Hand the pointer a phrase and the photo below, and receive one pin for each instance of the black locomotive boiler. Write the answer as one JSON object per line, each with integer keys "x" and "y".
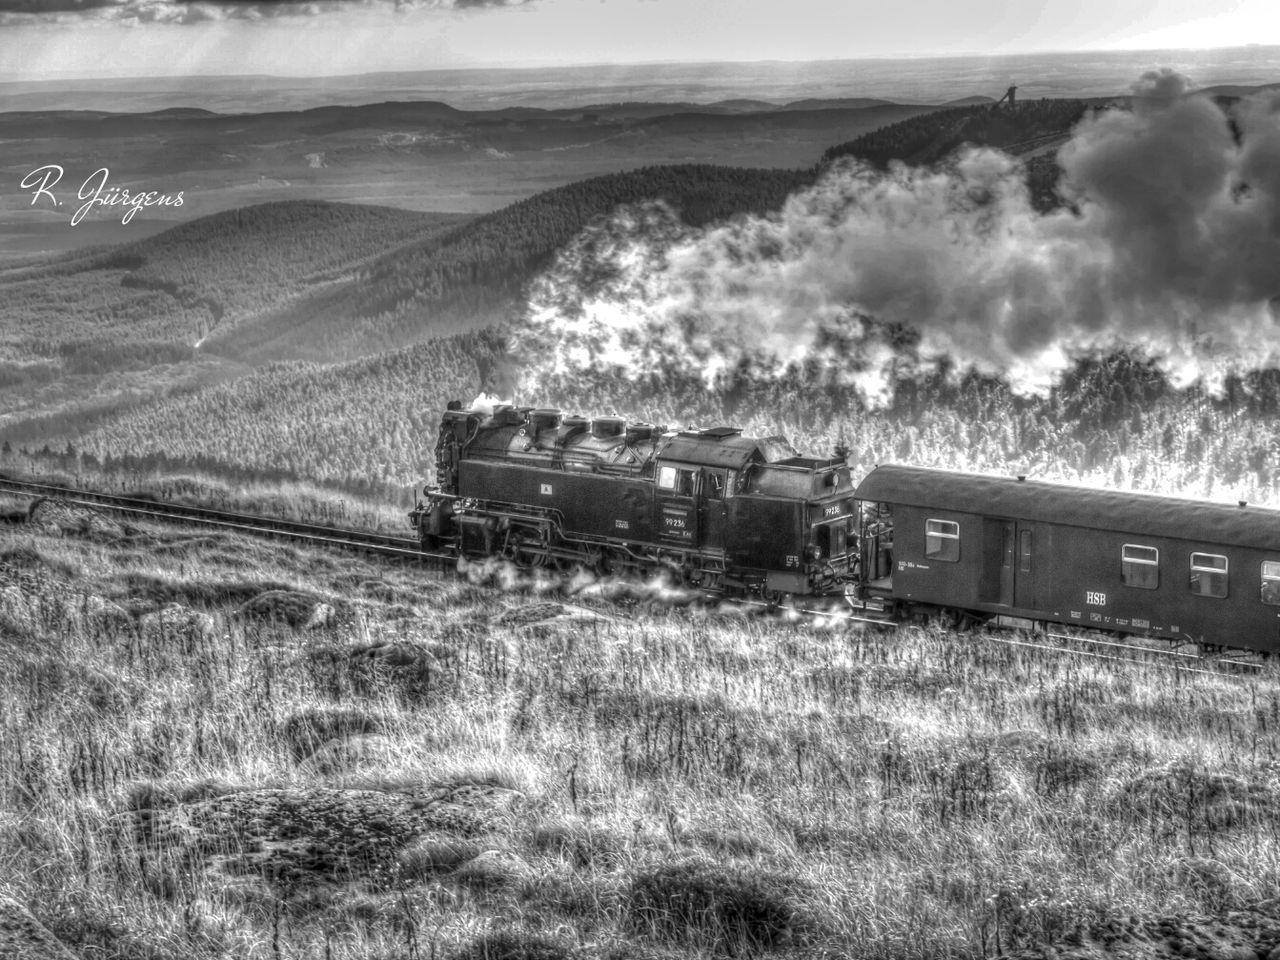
{"x": 712, "y": 508}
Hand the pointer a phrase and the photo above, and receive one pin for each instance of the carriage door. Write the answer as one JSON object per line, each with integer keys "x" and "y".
{"x": 677, "y": 506}
{"x": 999, "y": 557}
{"x": 1031, "y": 543}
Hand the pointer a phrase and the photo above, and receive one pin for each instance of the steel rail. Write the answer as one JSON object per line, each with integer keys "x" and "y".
{"x": 1068, "y": 651}
{"x": 1155, "y": 651}
{"x": 404, "y": 547}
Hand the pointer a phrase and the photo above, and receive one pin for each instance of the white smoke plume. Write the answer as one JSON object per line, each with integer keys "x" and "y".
{"x": 1171, "y": 245}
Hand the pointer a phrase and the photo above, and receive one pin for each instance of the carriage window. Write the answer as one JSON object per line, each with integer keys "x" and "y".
{"x": 942, "y": 540}
{"x": 1024, "y": 553}
{"x": 1140, "y": 566}
{"x": 1271, "y": 582}
{"x": 1208, "y": 575}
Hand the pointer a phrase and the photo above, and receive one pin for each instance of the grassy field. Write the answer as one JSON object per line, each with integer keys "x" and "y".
{"x": 212, "y": 747}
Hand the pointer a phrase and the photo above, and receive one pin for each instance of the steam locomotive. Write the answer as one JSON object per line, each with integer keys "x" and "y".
{"x": 714, "y": 509}
{"x": 728, "y": 514}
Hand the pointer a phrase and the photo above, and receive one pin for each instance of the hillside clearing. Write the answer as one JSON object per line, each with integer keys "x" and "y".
{"x": 441, "y": 768}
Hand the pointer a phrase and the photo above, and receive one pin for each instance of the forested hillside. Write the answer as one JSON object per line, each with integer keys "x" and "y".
{"x": 324, "y": 281}
{"x": 475, "y": 275}
{"x": 214, "y": 273}
{"x": 367, "y": 424}
{"x": 1024, "y": 128}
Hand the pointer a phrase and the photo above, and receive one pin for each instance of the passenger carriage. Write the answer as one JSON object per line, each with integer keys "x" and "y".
{"x": 988, "y": 546}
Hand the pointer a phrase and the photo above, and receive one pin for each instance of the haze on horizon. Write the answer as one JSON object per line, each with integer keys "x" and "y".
{"x": 49, "y": 39}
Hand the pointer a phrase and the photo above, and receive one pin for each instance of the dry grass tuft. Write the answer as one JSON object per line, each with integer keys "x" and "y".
{"x": 292, "y": 607}
{"x": 309, "y": 729}
{"x": 508, "y": 945}
{"x": 717, "y": 908}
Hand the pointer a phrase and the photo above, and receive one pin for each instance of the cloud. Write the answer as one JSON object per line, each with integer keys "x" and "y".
{"x": 1172, "y": 245}
{"x": 196, "y": 11}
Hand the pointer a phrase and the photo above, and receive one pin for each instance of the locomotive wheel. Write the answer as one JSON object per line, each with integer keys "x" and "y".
{"x": 524, "y": 553}
{"x": 777, "y": 600}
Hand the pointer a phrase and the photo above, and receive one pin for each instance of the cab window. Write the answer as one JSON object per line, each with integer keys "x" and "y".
{"x": 683, "y": 482}
{"x": 942, "y": 540}
{"x": 715, "y": 486}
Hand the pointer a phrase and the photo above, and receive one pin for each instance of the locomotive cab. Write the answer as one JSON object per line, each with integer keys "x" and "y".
{"x": 795, "y": 521}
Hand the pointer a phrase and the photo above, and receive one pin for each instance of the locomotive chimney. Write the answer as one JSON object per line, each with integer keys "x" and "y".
{"x": 602, "y": 428}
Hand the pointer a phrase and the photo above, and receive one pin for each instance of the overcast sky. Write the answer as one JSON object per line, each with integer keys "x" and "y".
{"x": 48, "y": 38}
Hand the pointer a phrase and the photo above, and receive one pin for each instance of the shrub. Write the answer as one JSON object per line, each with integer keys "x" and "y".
{"x": 508, "y": 945}
{"x": 308, "y": 730}
{"x": 703, "y": 903}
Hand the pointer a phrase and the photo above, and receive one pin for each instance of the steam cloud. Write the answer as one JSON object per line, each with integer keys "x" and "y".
{"x": 1173, "y": 246}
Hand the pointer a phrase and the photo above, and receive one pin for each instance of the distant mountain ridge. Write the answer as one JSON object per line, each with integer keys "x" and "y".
{"x": 414, "y": 111}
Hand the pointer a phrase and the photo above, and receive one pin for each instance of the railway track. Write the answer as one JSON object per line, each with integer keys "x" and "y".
{"x": 404, "y": 548}
{"x": 1137, "y": 653}
{"x": 1072, "y": 645}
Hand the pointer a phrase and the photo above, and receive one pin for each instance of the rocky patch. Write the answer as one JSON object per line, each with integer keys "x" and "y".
{"x": 292, "y": 607}
{"x": 61, "y": 518}
{"x": 293, "y": 838}
{"x": 177, "y": 623}
{"x": 1252, "y": 933}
